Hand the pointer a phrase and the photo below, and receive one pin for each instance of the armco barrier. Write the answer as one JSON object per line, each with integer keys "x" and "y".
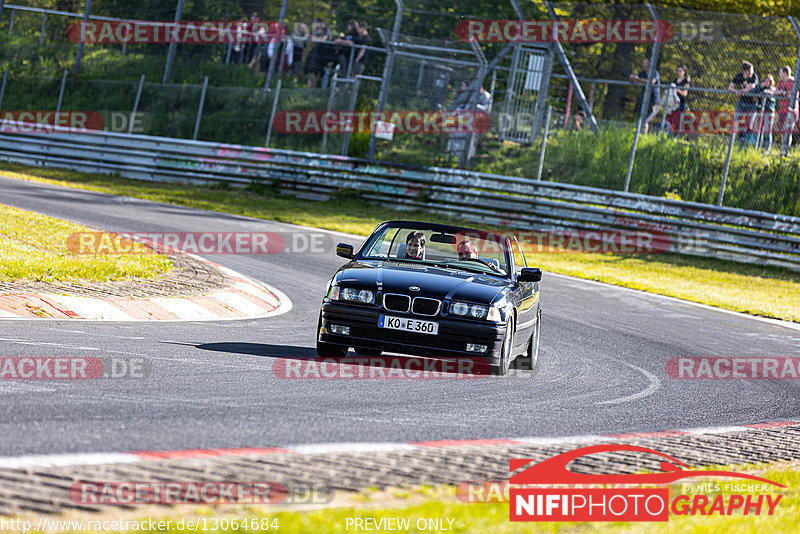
{"x": 522, "y": 203}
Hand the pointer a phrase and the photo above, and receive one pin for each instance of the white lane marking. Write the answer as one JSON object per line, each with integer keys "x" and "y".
{"x": 58, "y": 460}
{"x": 186, "y": 310}
{"x": 655, "y": 383}
{"x": 9, "y": 386}
{"x": 95, "y": 334}
{"x": 90, "y": 307}
{"x": 327, "y": 448}
{"x": 124, "y": 352}
{"x": 778, "y": 322}
{"x": 561, "y": 440}
{"x": 716, "y": 429}
{"x": 45, "y": 344}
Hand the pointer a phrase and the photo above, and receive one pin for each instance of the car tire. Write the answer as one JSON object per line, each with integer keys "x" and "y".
{"x": 328, "y": 350}
{"x": 528, "y": 362}
{"x": 368, "y": 352}
{"x": 505, "y": 352}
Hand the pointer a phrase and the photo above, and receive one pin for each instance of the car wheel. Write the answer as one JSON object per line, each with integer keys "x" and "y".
{"x": 505, "y": 352}
{"x": 328, "y": 350}
{"x": 368, "y": 352}
{"x": 528, "y": 362}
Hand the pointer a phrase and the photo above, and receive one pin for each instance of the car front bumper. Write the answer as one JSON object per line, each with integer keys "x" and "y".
{"x": 450, "y": 342}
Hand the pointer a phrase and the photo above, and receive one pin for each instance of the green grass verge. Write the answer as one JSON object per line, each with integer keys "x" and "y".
{"x": 34, "y": 247}
{"x": 759, "y": 290}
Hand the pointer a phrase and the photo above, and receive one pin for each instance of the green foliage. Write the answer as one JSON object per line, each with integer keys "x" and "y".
{"x": 359, "y": 144}
{"x": 686, "y": 168}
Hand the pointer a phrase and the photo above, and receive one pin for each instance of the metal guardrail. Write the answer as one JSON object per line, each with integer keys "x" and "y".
{"x": 520, "y": 203}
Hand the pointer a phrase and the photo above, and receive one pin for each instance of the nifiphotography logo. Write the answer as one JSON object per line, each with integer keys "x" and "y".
{"x": 569, "y": 496}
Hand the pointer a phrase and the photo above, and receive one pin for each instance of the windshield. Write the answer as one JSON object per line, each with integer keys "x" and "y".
{"x": 467, "y": 250}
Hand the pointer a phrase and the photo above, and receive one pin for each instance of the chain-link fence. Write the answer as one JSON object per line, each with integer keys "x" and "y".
{"x": 675, "y": 141}
{"x": 684, "y": 155}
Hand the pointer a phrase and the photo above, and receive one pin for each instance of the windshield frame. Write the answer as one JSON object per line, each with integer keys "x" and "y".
{"x": 370, "y": 242}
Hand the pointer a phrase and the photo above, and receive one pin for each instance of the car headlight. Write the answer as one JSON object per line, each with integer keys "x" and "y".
{"x": 473, "y": 311}
{"x": 364, "y": 296}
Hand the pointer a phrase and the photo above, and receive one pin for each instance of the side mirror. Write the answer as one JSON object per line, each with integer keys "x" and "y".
{"x": 529, "y": 274}
{"x": 344, "y": 250}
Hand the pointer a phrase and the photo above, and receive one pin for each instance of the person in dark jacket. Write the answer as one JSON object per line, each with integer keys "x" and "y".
{"x": 318, "y": 56}
{"x": 362, "y": 39}
{"x": 300, "y": 35}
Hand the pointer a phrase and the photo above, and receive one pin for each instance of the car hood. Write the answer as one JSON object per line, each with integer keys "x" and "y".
{"x": 434, "y": 282}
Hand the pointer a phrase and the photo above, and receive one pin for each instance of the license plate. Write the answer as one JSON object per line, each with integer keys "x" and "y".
{"x": 408, "y": 325}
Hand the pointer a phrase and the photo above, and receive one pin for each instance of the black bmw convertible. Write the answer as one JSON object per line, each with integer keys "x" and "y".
{"x": 433, "y": 290}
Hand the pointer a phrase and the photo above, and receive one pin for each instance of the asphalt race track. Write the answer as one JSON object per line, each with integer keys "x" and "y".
{"x": 211, "y": 384}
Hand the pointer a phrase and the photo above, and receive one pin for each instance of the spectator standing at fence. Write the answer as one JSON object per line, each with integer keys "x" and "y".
{"x": 741, "y": 85}
{"x": 362, "y": 40}
{"x": 345, "y": 45}
{"x": 577, "y": 120}
{"x": 765, "y": 93}
{"x": 282, "y": 48}
{"x": 786, "y": 120}
{"x": 461, "y": 101}
{"x": 251, "y": 37}
{"x": 317, "y": 56}
{"x": 484, "y": 100}
{"x": 682, "y": 83}
{"x": 299, "y": 47}
{"x": 641, "y": 77}
{"x": 239, "y": 44}
{"x": 260, "y": 62}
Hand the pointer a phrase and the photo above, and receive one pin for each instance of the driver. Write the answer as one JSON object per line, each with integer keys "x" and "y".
{"x": 467, "y": 250}
{"x": 415, "y": 246}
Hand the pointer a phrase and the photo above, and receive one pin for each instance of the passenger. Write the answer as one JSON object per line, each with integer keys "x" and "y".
{"x": 415, "y": 246}
{"x": 467, "y": 250}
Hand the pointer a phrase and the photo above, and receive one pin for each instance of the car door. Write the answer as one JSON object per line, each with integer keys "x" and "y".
{"x": 526, "y": 298}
